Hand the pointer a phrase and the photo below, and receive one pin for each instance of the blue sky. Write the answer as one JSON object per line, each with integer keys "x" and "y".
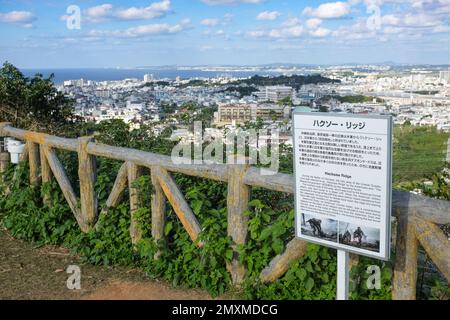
{"x": 117, "y": 33}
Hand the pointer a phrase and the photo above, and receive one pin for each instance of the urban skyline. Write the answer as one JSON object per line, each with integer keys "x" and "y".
{"x": 128, "y": 34}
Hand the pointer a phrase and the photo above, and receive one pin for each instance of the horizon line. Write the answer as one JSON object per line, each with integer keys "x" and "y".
{"x": 247, "y": 65}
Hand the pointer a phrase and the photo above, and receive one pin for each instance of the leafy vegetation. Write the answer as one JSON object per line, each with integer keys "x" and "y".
{"x": 286, "y": 102}
{"x": 352, "y": 99}
{"x": 358, "y": 99}
{"x": 418, "y": 152}
{"x": 243, "y": 91}
{"x": 294, "y": 81}
{"x": 271, "y": 221}
{"x": 34, "y": 103}
{"x": 424, "y": 92}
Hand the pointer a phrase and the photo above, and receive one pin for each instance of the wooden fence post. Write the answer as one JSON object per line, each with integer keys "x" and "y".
{"x": 24, "y": 156}
{"x": 179, "y": 204}
{"x": 435, "y": 243}
{"x": 65, "y": 185}
{"x": 87, "y": 173}
{"x": 4, "y": 155}
{"x": 281, "y": 263}
{"x": 33, "y": 162}
{"x": 405, "y": 269}
{"x": 4, "y": 160}
{"x": 237, "y": 203}
{"x": 158, "y": 210}
{"x": 118, "y": 189}
{"x": 46, "y": 174}
{"x": 134, "y": 173}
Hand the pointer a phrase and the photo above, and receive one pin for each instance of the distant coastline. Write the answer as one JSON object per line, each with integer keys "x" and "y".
{"x": 112, "y": 74}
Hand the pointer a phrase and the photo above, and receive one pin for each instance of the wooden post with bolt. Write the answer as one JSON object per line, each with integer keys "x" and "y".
{"x": 134, "y": 172}
{"x": 46, "y": 174}
{"x": 405, "y": 268}
{"x": 237, "y": 203}
{"x": 158, "y": 210}
{"x": 4, "y": 155}
{"x": 34, "y": 162}
{"x": 87, "y": 172}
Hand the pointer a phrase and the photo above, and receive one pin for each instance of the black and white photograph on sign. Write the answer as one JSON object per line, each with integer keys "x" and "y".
{"x": 314, "y": 226}
{"x": 362, "y": 237}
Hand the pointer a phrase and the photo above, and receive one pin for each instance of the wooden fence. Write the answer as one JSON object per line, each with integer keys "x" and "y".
{"x": 418, "y": 217}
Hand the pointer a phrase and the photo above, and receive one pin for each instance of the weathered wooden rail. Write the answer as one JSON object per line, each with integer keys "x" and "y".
{"x": 417, "y": 216}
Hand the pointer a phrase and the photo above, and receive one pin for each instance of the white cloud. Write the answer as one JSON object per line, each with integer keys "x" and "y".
{"x": 228, "y": 17}
{"x": 206, "y": 48}
{"x": 313, "y": 23}
{"x": 320, "y": 32}
{"x": 442, "y": 29}
{"x": 213, "y": 22}
{"x": 412, "y": 20}
{"x": 289, "y": 32}
{"x": 268, "y": 15}
{"x": 256, "y": 33}
{"x": 392, "y": 30}
{"x": 156, "y": 9}
{"x": 433, "y": 6}
{"x": 99, "y": 13}
{"x": 356, "y": 31}
{"x": 291, "y": 22}
{"x": 330, "y": 10}
{"x": 22, "y": 17}
{"x": 293, "y": 31}
{"x": 210, "y": 22}
{"x": 144, "y": 30}
{"x": 231, "y": 2}
{"x": 106, "y": 12}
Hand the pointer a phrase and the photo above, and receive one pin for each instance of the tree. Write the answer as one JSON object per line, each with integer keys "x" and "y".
{"x": 35, "y": 103}
{"x": 323, "y": 109}
{"x": 286, "y": 102}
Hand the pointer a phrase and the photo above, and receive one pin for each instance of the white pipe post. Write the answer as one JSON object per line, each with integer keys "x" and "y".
{"x": 343, "y": 277}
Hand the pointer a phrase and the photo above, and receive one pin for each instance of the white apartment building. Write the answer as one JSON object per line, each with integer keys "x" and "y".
{"x": 444, "y": 76}
{"x": 277, "y": 93}
{"x": 148, "y": 77}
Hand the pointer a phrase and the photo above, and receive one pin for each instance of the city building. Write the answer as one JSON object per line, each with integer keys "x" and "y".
{"x": 239, "y": 113}
{"x": 148, "y": 78}
{"x": 235, "y": 113}
{"x": 272, "y": 112}
{"x": 277, "y": 93}
{"x": 444, "y": 76}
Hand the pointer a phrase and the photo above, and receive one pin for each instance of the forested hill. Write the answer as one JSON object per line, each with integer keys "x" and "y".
{"x": 295, "y": 81}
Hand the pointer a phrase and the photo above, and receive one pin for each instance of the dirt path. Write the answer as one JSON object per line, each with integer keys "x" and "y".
{"x": 32, "y": 273}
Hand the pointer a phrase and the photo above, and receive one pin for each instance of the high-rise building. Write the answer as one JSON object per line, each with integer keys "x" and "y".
{"x": 277, "y": 93}
{"x": 148, "y": 78}
{"x": 444, "y": 76}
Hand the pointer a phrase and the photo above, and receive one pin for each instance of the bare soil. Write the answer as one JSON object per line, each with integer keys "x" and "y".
{"x": 30, "y": 273}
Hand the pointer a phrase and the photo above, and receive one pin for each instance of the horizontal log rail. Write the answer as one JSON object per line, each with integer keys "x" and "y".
{"x": 417, "y": 216}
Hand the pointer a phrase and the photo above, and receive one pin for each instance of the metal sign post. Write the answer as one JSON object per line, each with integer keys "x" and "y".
{"x": 343, "y": 278}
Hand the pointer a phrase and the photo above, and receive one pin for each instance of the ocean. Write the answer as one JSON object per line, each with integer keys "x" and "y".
{"x": 113, "y": 74}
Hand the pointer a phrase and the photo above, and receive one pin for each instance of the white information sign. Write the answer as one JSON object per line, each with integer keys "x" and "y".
{"x": 343, "y": 181}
